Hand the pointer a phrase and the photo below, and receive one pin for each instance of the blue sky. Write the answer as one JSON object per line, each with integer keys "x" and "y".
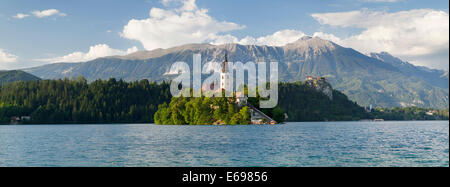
{"x": 38, "y": 32}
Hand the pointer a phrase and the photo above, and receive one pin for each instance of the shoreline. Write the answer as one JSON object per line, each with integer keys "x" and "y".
{"x": 119, "y": 124}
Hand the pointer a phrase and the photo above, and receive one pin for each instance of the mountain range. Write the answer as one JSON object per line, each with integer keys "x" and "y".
{"x": 377, "y": 79}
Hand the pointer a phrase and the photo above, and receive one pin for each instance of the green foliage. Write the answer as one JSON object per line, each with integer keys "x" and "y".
{"x": 76, "y": 101}
{"x": 245, "y": 116}
{"x": 15, "y": 75}
{"x": 410, "y": 113}
{"x": 201, "y": 111}
{"x": 117, "y": 101}
{"x": 302, "y": 103}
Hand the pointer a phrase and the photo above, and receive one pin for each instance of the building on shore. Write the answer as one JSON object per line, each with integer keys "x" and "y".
{"x": 19, "y": 120}
{"x": 258, "y": 117}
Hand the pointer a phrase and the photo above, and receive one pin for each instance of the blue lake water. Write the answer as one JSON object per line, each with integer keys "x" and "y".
{"x": 293, "y": 144}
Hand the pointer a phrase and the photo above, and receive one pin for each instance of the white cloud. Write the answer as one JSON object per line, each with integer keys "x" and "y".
{"x": 408, "y": 34}
{"x": 41, "y": 14}
{"x": 174, "y": 27}
{"x": 96, "y": 51}
{"x": 223, "y": 39}
{"x": 47, "y": 13}
{"x": 327, "y": 36}
{"x": 190, "y": 24}
{"x": 278, "y": 38}
{"x": 21, "y": 16}
{"x": 6, "y": 59}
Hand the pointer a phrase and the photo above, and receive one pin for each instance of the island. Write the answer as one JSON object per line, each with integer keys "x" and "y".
{"x": 215, "y": 110}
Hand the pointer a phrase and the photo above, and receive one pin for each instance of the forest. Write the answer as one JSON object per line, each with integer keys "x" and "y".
{"x": 210, "y": 110}
{"x": 75, "y": 101}
{"x": 202, "y": 111}
{"x": 410, "y": 113}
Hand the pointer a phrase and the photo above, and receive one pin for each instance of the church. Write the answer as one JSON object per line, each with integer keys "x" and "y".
{"x": 226, "y": 82}
{"x": 225, "y": 76}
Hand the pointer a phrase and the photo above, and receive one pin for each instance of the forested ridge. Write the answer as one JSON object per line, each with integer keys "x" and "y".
{"x": 410, "y": 113}
{"x": 302, "y": 103}
{"x": 75, "y": 101}
{"x": 15, "y": 75}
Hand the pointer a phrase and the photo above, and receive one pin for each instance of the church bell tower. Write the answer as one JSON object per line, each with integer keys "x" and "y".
{"x": 224, "y": 75}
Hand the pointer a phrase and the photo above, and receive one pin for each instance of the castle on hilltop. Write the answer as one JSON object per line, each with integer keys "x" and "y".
{"x": 321, "y": 84}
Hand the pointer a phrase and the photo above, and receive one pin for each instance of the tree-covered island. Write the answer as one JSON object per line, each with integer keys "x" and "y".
{"x": 216, "y": 110}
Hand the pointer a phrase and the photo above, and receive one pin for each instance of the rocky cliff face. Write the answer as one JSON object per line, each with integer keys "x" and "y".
{"x": 321, "y": 85}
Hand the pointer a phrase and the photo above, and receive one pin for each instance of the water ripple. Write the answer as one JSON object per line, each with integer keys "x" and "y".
{"x": 293, "y": 144}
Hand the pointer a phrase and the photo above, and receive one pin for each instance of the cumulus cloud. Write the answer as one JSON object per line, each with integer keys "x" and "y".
{"x": 327, "y": 36}
{"x": 96, "y": 51}
{"x": 412, "y": 35}
{"x": 172, "y": 27}
{"x": 21, "y": 16}
{"x": 6, "y": 59}
{"x": 47, "y": 13}
{"x": 408, "y": 34}
{"x": 189, "y": 24}
{"x": 278, "y": 38}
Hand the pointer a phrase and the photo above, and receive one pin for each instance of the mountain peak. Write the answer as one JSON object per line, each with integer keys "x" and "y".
{"x": 382, "y": 54}
{"x": 316, "y": 44}
{"x": 387, "y": 57}
{"x": 311, "y": 40}
{"x": 304, "y": 38}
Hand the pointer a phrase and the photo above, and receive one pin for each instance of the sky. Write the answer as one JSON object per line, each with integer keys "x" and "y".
{"x": 34, "y": 33}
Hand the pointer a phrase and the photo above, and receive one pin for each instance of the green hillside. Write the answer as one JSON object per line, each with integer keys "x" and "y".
{"x": 112, "y": 101}
{"x": 15, "y": 75}
{"x": 76, "y": 101}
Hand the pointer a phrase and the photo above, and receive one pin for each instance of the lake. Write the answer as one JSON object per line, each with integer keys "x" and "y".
{"x": 416, "y": 143}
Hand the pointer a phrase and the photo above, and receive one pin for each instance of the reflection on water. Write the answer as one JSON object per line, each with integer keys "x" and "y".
{"x": 292, "y": 144}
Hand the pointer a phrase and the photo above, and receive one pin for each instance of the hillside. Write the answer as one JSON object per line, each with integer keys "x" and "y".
{"x": 76, "y": 101}
{"x": 432, "y": 76}
{"x": 112, "y": 101}
{"x": 302, "y": 103}
{"x": 15, "y": 75}
{"x": 376, "y": 79}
